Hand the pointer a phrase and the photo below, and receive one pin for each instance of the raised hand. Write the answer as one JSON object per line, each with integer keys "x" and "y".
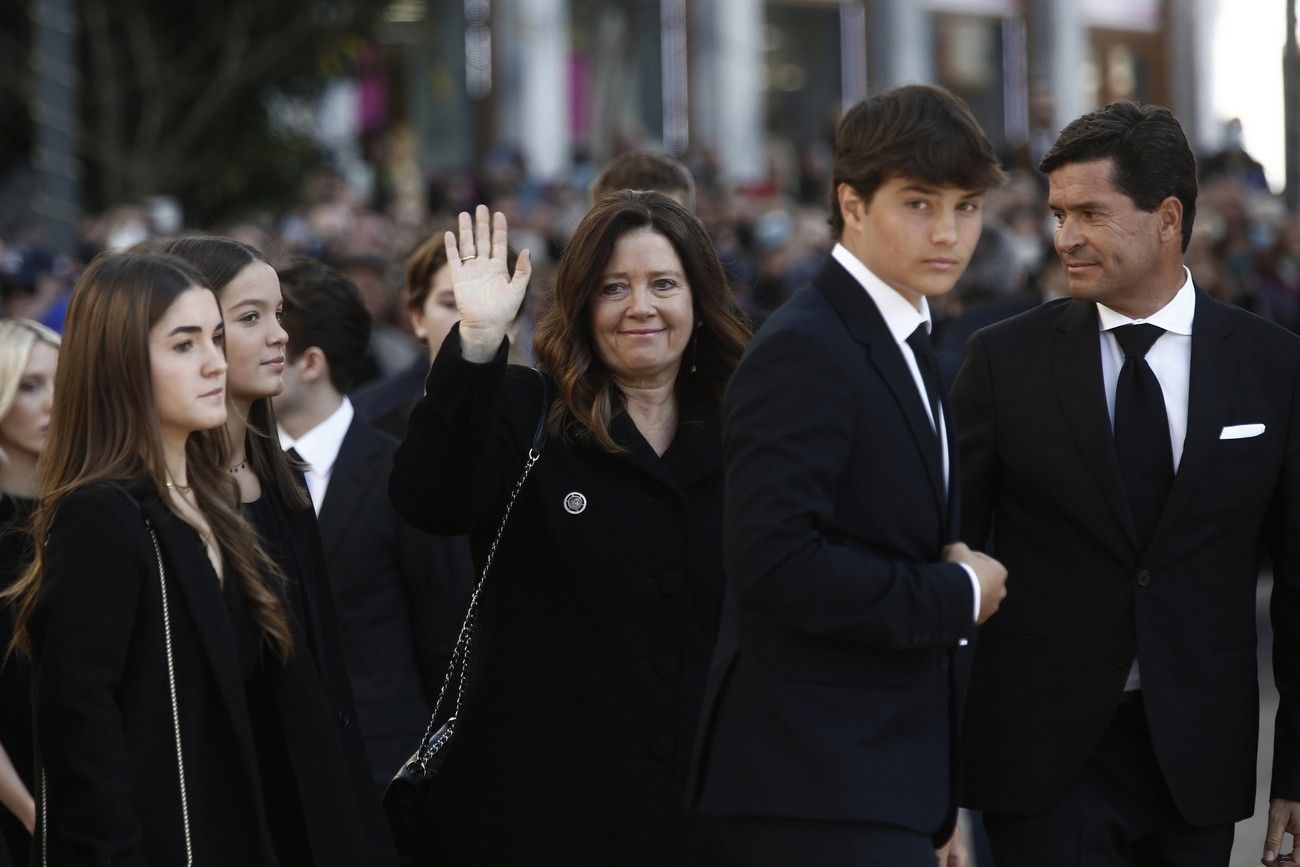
{"x": 487, "y": 297}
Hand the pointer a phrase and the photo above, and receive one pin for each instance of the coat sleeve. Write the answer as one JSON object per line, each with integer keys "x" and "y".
{"x": 462, "y": 448}
{"x": 976, "y": 423}
{"x": 96, "y": 557}
{"x": 788, "y": 432}
{"x": 1284, "y": 533}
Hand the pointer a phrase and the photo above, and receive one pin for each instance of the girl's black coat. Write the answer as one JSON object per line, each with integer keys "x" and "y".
{"x": 103, "y": 716}
{"x": 597, "y": 624}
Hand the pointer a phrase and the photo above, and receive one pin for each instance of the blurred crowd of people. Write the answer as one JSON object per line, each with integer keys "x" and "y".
{"x": 770, "y": 237}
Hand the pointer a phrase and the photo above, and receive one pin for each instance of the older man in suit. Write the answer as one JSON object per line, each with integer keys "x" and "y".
{"x": 829, "y": 719}
{"x": 1134, "y": 451}
{"x": 400, "y": 593}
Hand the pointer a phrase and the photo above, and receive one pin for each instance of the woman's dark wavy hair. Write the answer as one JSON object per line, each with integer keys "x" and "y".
{"x": 587, "y": 398}
{"x": 220, "y": 260}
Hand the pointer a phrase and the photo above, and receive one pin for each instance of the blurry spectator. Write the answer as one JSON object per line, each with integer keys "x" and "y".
{"x": 645, "y": 170}
{"x": 1277, "y": 276}
{"x": 1233, "y": 161}
{"x": 992, "y": 288}
{"x": 391, "y": 348}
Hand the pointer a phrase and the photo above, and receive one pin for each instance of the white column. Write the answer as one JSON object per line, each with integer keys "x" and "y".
{"x": 902, "y": 44}
{"x": 531, "y": 38}
{"x": 1189, "y": 41}
{"x": 1058, "y": 50}
{"x": 727, "y": 85}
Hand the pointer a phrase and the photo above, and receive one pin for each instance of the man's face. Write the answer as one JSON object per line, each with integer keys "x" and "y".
{"x": 916, "y": 237}
{"x": 1109, "y": 246}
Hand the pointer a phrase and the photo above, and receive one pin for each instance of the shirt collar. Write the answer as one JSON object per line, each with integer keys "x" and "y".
{"x": 1176, "y": 316}
{"x": 319, "y": 447}
{"x": 901, "y": 318}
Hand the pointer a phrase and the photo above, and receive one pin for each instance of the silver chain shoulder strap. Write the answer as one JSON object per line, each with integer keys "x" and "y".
{"x": 171, "y": 683}
{"x": 436, "y": 737}
{"x": 176, "y": 724}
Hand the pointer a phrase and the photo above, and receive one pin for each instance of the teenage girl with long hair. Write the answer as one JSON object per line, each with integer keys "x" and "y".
{"x": 304, "y": 715}
{"x": 149, "y": 602}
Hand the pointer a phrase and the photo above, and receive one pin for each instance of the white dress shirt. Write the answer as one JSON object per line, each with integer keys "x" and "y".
{"x": 901, "y": 318}
{"x": 319, "y": 448}
{"x": 1170, "y": 359}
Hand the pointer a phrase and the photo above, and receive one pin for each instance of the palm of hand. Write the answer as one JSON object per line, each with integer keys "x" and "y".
{"x": 488, "y": 297}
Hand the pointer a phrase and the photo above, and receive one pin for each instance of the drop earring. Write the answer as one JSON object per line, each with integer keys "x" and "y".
{"x": 695, "y": 345}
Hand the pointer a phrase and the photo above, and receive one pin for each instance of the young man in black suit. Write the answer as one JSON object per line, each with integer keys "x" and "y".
{"x": 1134, "y": 451}
{"x": 400, "y": 593}
{"x": 829, "y": 722}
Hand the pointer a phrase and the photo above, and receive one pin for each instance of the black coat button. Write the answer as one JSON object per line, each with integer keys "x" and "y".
{"x": 1143, "y": 578}
{"x": 661, "y": 748}
{"x": 665, "y": 665}
{"x": 1121, "y": 662}
{"x": 670, "y": 583}
{"x": 344, "y": 719}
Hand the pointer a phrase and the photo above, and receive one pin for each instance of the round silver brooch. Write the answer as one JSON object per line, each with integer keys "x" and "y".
{"x": 575, "y": 503}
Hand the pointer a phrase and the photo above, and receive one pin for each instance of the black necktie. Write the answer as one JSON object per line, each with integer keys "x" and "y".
{"x": 1146, "y": 458}
{"x": 923, "y": 349}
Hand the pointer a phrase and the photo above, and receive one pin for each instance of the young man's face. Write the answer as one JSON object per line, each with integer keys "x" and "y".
{"x": 916, "y": 237}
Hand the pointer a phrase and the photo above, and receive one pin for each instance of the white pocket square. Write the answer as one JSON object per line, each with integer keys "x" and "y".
{"x": 1241, "y": 431}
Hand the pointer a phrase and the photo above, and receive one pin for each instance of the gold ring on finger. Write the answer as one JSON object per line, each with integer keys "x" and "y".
{"x": 467, "y": 258}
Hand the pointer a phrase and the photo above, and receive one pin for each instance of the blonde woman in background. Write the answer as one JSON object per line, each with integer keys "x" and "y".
{"x": 28, "y": 354}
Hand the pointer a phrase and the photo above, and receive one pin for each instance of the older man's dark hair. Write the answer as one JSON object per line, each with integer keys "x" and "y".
{"x": 916, "y": 131}
{"x": 1152, "y": 160}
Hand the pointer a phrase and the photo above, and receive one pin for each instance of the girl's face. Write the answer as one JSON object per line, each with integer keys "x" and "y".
{"x": 22, "y": 430}
{"x": 187, "y": 366}
{"x": 252, "y": 307}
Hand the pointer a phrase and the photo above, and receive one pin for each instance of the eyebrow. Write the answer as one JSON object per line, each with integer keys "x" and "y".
{"x": 1078, "y": 206}
{"x": 668, "y": 272}
{"x": 248, "y": 302}
{"x": 195, "y": 329}
{"x": 934, "y": 191}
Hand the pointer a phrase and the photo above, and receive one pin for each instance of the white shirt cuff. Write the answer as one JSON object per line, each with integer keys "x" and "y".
{"x": 975, "y": 586}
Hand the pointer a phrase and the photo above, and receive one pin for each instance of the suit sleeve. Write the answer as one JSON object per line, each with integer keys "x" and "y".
{"x": 788, "y": 432}
{"x": 81, "y": 629}
{"x": 438, "y": 572}
{"x": 461, "y": 451}
{"x": 976, "y": 423}
{"x": 1284, "y": 606}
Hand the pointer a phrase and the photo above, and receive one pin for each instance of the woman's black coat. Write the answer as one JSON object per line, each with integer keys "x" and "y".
{"x": 598, "y": 622}
{"x": 103, "y": 716}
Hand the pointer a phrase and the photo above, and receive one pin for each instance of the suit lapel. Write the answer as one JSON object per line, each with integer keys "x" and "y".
{"x": 1076, "y": 369}
{"x": 1214, "y": 362}
{"x": 867, "y": 325}
{"x": 350, "y": 476}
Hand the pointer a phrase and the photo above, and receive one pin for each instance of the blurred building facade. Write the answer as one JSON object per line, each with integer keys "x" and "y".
{"x": 746, "y": 88}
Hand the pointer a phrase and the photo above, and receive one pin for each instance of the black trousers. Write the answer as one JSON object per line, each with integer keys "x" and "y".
{"x": 766, "y": 842}
{"x": 1119, "y": 813}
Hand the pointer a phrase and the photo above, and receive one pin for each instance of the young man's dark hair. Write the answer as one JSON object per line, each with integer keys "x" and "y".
{"x": 1150, "y": 152}
{"x": 645, "y": 170}
{"x": 323, "y": 308}
{"x": 916, "y": 131}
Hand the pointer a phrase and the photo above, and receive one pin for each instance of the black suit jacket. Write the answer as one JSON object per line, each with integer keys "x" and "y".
{"x": 831, "y": 694}
{"x": 400, "y": 595}
{"x": 1039, "y": 466}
